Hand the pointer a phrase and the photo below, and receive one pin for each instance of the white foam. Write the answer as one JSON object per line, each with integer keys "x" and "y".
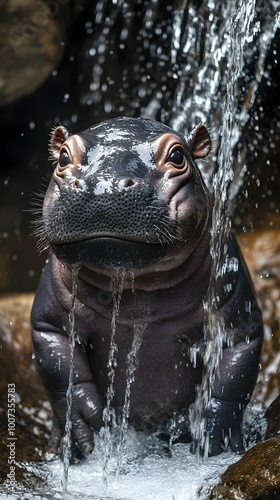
{"x": 151, "y": 472}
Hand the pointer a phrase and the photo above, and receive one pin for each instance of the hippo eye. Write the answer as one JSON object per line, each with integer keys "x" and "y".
{"x": 64, "y": 159}
{"x": 177, "y": 158}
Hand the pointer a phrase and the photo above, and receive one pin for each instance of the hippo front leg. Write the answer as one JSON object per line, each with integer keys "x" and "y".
{"x": 234, "y": 384}
{"x": 52, "y": 354}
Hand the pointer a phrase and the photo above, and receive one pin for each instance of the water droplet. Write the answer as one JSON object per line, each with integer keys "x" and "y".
{"x": 107, "y": 107}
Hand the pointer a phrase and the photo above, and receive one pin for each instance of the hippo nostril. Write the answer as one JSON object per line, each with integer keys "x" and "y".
{"x": 128, "y": 183}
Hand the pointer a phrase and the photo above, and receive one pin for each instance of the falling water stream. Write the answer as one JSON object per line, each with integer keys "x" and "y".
{"x": 67, "y": 442}
{"x": 215, "y": 335}
{"x": 109, "y": 417}
{"x": 132, "y": 365}
{"x": 233, "y": 36}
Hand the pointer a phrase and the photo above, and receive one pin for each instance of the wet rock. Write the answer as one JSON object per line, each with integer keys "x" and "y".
{"x": 16, "y": 362}
{"x": 31, "y": 36}
{"x": 256, "y": 476}
{"x": 30, "y": 419}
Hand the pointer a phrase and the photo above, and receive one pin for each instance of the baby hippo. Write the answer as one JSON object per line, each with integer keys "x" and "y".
{"x": 128, "y": 207}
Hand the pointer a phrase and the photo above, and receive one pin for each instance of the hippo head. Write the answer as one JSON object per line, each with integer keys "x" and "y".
{"x": 125, "y": 194}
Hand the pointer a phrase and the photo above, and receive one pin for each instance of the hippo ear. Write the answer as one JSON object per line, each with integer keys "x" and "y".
{"x": 199, "y": 141}
{"x": 58, "y": 137}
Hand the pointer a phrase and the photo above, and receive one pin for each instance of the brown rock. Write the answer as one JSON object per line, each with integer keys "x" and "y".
{"x": 30, "y": 46}
{"x": 261, "y": 251}
{"x": 16, "y": 349}
{"x": 256, "y": 476}
{"x": 32, "y": 412}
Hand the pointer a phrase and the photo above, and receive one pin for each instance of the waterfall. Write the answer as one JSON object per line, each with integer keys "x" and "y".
{"x": 202, "y": 47}
{"x": 215, "y": 336}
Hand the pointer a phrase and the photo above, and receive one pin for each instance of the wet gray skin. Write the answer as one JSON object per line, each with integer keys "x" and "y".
{"x": 126, "y": 202}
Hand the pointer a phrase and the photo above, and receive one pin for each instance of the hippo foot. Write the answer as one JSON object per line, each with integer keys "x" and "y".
{"x": 86, "y": 416}
{"x": 223, "y": 429}
{"x": 75, "y": 454}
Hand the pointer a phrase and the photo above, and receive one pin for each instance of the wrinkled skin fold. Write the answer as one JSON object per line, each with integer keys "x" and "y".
{"x": 127, "y": 199}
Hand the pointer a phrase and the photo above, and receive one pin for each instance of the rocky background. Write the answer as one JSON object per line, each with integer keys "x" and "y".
{"x": 77, "y": 63}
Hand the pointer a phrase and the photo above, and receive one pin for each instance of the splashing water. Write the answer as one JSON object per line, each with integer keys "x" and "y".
{"x": 109, "y": 414}
{"x": 107, "y": 432}
{"x": 67, "y": 442}
{"x": 150, "y": 472}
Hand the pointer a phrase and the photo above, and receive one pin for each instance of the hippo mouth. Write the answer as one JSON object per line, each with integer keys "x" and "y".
{"x": 110, "y": 252}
